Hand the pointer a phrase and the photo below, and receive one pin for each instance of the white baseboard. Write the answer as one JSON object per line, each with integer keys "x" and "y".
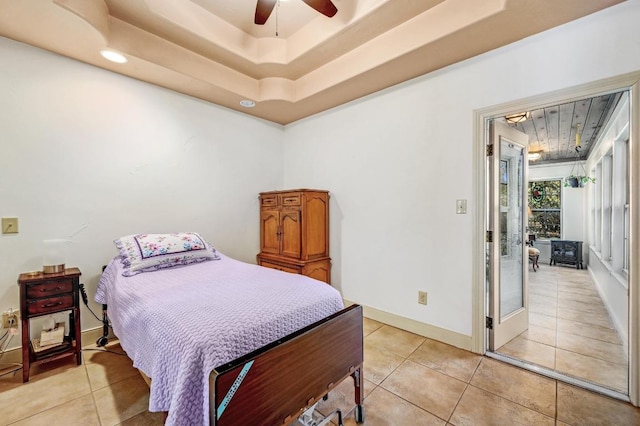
{"x": 14, "y": 355}
{"x": 423, "y": 329}
{"x": 426, "y": 330}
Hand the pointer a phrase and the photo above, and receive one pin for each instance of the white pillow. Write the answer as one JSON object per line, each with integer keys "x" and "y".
{"x": 150, "y": 252}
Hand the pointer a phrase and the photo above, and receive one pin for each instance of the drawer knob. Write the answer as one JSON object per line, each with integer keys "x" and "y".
{"x": 46, "y": 290}
{"x": 50, "y": 305}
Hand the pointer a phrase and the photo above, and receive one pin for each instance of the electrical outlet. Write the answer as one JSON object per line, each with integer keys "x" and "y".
{"x": 422, "y": 297}
{"x": 10, "y": 319}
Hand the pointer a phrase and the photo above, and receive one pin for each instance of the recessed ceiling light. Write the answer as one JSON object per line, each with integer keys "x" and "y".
{"x": 113, "y": 56}
{"x": 247, "y": 103}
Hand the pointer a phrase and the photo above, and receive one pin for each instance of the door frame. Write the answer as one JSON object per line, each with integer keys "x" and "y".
{"x": 630, "y": 82}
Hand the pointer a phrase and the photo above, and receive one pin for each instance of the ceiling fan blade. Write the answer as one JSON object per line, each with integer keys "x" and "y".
{"x": 326, "y": 7}
{"x": 263, "y": 11}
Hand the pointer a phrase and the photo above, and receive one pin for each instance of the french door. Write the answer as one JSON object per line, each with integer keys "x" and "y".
{"x": 507, "y": 252}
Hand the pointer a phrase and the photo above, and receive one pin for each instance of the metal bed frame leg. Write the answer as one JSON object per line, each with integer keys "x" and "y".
{"x": 102, "y": 341}
{"x": 308, "y": 419}
{"x": 359, "y": 397}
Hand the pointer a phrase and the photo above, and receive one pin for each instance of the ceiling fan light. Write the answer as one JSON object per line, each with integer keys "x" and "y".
{"x": 517, "y": 117}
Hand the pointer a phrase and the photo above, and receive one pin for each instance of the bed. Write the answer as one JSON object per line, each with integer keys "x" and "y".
{"x": 226, "y": 342}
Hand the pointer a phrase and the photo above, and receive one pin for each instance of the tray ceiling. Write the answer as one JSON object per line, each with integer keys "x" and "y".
{"x": 210, "y": 49}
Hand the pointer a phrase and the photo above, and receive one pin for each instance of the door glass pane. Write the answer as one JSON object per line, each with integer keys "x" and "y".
{"x": 511, "y": 232}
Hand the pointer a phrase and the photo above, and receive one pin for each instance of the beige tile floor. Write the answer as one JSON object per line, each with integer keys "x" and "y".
{"x": 570, "y": 330}
{"x": 409, "y": 380}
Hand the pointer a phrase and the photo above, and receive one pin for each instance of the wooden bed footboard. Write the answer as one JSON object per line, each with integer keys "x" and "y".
{"x": 273, "y": 385}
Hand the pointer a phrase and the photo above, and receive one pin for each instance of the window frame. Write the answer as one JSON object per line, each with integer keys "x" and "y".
{"x": 558, "y": 209}
{"x": 610, "y": 207}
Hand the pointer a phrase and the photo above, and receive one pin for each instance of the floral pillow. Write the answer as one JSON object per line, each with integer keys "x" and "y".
{"x": 150, "y": 252}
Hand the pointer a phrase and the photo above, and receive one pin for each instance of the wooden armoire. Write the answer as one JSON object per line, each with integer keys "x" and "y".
{"x": 294, "y": 232}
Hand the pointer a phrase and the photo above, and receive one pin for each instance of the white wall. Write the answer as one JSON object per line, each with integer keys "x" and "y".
{"x": 90, "y": 155}
{"x": 396, "y": 161}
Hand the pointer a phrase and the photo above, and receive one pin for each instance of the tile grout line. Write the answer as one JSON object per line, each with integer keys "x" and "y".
{"x": 400, "y": 396}
{"x": 93, "y": 394}
{"x": 569, "y": 289}
{"x": 466, "y": 386}
{"x": 507, "y": 399}
{"x": 430, "y": 368}
{"x": 64, "y": 402}
{"x": 556, "y": 398}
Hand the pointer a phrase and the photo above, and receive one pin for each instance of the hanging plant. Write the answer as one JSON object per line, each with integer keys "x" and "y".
{"x": 578, "y": 181}
{"x": 578, "y": 176}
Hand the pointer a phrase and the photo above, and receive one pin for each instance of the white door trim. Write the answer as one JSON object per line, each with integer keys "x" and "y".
{"x": 629, "y": 82}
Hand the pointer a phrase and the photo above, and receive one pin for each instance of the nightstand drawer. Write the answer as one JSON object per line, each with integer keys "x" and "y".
{"x": 50, "y": 304}
{"x": 49, "y": 288}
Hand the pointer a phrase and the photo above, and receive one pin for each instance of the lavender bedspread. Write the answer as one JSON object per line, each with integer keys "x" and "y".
{"x": 178, "y": 324}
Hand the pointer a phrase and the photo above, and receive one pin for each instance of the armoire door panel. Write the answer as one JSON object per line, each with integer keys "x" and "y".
{"x": 291, "y": 233}
{"x": 316, "y": 227}
{"x": 269, "y": 236}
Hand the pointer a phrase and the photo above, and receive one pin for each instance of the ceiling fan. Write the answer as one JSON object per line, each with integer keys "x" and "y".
{"x": 265, "y": 7}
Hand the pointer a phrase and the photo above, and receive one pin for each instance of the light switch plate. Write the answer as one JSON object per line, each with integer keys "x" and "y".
{"x": 461, "y": 206}
{"x": 9, "y": 225}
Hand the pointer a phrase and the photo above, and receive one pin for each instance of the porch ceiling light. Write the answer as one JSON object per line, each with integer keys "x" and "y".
{"x": 517, "y": 117}
{"x": 532, "y": 156}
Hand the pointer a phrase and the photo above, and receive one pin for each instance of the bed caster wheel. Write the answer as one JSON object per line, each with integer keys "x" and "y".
{"x": 102, "y": 341}
{"x": 359, "y": 414}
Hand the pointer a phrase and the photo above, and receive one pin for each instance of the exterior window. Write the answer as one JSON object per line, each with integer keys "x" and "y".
{"x": 607, "y": 203}
{"x": 611, "y": 208}
{"x": 597, "y": 201}
{"x": 545, "y": 208}
{"x": 625, "y": 254}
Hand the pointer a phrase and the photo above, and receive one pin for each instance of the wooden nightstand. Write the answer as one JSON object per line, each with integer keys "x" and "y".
{"x": 44, "y": 294}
